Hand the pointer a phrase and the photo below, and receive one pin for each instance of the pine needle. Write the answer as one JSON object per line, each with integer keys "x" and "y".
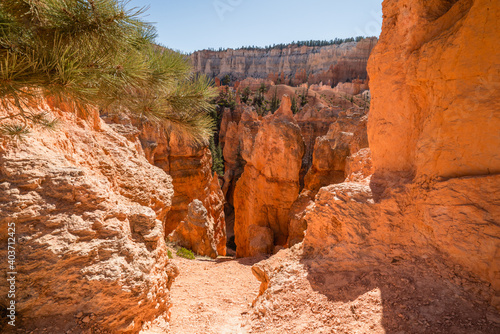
{"x": 96, "y": 54}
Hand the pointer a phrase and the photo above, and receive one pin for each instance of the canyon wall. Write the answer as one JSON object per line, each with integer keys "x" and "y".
{"x": 88, "y": 212}
{"x": 240, "y": 64}
{"x": 433, "y": 132}
{"x": 268, "y": 158}
{"x": 421, "y": 235}
{"x": 269, "y": 184}
{"x": 190, "y": 166}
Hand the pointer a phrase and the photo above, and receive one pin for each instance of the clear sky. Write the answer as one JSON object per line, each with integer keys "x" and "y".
{"x": 190, "y": 25}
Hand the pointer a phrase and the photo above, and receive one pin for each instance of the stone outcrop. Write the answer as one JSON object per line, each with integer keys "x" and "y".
{"x": 241, "y": 64}
{"x": 434, "y": 196}
{"x": 190, "y": 166}
{"x": 352, "y": 88}
{"x": 427, "y": 220}
{"x": 439, "y": 129}
{"x": 198, "y": 231}
{"x": 359, "y": 167}
{"x": 314, "y": 123}
{"x": 269, "y": 184}
{"x": 88, "y": 211}
{"x": 345, "y": 137}
{"x": 339, "y": 133}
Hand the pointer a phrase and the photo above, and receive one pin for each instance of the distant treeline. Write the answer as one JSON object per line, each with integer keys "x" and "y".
{"x": 281, "y": 46}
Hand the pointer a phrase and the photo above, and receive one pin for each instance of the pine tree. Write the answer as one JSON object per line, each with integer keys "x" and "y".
{"x": 275, "y": 101}
{"x": 94, "y": 54}
{"x": 294, "y": 105}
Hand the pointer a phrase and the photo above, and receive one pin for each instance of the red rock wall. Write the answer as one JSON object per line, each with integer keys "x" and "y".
{"x": 269, "y": 184}
{"x": 434, "y": 79}
{"x": 351, "y": 59}
{"x": 189, "y": 165}
{"x": 433, "y": 132}
{"x": 88, "y": 210}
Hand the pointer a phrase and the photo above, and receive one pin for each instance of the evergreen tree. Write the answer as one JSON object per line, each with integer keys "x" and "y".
{"x": 245, "y": 95}
{"x": 275, "y": 101}
{"x": 217, "y": 157}
{"x": 294, "y": 105}
{"x": 226, "y": 80}
{"x": 94, "y": 54}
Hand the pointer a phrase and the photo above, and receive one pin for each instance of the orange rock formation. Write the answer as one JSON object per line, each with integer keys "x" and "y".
{"x": 434, "y": 198}
{"x": 269, "y": 184}
{"x": 190, "y": 166}
{"x": 88, "y": 210}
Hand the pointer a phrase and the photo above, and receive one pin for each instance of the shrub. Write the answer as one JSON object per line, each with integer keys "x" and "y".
{"x": 185, "y": 253}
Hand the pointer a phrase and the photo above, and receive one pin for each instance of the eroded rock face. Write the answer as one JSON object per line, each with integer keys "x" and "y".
{"x": 238, "y": 147}
{"x": 345, "y": 137}
{"x": 435, "y": 89}
{"x": 88, "y": 210}
{"x": 433, "y": 130}
{"x": 241, "y": 64}
{"x": 269, "y": 184}
{"x": 190, "y": 166}
{"x": 198, "y": 231}
{"x": 359, "y": 167}
{"x": 337, "y": 133}
{"x": 314, "y": 123}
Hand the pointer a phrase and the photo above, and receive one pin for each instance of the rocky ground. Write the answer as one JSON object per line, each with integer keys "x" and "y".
{"x": 410, "y": 295}
{"x": 211, "y": 296}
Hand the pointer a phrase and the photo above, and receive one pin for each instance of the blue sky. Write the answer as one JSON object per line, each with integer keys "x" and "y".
{"x": 189, "y": 25}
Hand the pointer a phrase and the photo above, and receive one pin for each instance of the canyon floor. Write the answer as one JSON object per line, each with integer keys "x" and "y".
{"x": 406, "y": 296}
{"x": 212, "y": 296}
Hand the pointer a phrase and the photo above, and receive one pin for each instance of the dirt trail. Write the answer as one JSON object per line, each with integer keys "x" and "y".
{"x": 212, "y": 296}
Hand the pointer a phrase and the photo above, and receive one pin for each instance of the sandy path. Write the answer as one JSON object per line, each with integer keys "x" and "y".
{"x": 210, "y": 296}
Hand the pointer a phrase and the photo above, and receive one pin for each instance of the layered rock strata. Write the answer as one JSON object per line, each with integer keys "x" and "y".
{"x": 241, "y": 64}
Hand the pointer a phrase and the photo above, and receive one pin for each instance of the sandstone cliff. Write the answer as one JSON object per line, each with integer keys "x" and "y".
{"x": 269, "y": 184}
{"x": 88, "y": 210}
{"x": 242, "y": 63}
{"x": 331, "y": 129}
{"x": 429, "y": 217}
{"x": 433, "y": 127}
{"x": 190, "y": 166}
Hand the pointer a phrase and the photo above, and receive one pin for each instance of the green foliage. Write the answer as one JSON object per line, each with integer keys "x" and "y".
{"x": 226, "y": 80}
{"x": 185, "y": 253}
{"x": 258, "y": 99}
{"x": 245, "y": 95}
{"x": 14, "y": 131}
{"x": 226, "y": 99}
{"x": 304, "y": 97}
{"x": 217, "y": 158}
{"x": 294, "y": 108}
{"x": 275, "y": 101}
{"x": 262, "y": 89}
{"x": 169, "y": 254}
{"x": 97, "y": 54}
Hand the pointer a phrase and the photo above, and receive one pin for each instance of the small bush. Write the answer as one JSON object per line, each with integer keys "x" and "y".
{"x": 169, "y": 254}
{"x": 185, "y": 253}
